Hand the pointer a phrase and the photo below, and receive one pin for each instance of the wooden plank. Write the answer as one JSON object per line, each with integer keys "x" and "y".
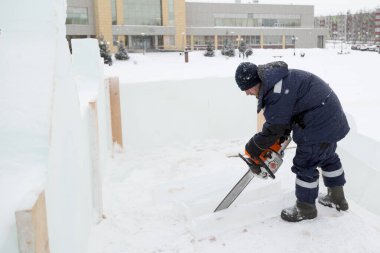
{"x": 25, "y": 234}
{"x": 117, "y": 136}
{"x": 32, "y": 229}
{"x": 260, "y": 121}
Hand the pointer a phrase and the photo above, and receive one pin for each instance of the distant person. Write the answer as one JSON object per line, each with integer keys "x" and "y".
{"x": 299, "y": 101}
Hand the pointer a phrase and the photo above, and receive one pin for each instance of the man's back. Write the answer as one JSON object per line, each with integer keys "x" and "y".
{"x": 306, "y": 98}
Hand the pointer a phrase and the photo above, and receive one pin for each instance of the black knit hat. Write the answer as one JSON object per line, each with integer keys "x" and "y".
{"x": 246, "y": 76}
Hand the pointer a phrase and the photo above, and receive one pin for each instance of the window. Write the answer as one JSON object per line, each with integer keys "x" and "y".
{"x": 142, "y": 12}
{"x": 171, "y": 12}
{"x": 169, "y": 40}
{"x": 113, "y": 7}
{"x": 203, "y": 41}
{"x": 77, "y": 16}
{"x": 115, "y": 41}
{"x": 251, "y": 40}
{"x": 289, "y": 40}
{"x": 269, "y": 22}
{"x": 254, "y": 20}
{"x": 227, "y": 40}
{"x": 273, "y": 40}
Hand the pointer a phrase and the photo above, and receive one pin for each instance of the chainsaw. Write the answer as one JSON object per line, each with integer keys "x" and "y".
{"x": 263, "y": 166}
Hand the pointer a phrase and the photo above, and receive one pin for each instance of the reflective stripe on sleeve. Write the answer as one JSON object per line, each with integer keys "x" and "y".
{"x": 278, "y": 87}
{"x": 334, "y": 173}
{"x": 308, "y": 185}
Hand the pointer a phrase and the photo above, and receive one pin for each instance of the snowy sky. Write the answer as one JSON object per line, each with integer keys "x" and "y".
{"x": 322, "y": 7}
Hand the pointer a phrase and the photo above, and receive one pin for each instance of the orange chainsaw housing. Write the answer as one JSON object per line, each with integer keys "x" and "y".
{"x": 264, "y": 155}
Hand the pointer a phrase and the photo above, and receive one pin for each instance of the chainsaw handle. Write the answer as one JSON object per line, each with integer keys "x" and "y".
{"x": 252, "y": 166}
{"x": 245, "y": 160}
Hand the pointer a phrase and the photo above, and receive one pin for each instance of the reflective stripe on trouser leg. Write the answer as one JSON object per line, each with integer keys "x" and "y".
{"x": 306, "y": 191}
{"x": 333, "y": 178}
{"x": 332, "y": 172}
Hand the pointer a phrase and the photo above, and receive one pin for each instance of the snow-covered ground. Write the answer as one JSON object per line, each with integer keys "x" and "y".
{"x": 160, "y": 198}
{"x": 163, "y": 201}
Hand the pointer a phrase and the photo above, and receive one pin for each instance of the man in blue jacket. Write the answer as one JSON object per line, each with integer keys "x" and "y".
{"x": 299, "y": 101}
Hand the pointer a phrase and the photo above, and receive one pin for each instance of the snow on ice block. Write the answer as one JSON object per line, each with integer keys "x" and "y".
{"x": 86, "y": 58}
{"x": 88, "y": 70}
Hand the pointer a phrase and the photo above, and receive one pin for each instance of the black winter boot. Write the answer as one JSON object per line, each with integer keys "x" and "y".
{"x": 334, "y": 198}
{"x": 300, "y": 211}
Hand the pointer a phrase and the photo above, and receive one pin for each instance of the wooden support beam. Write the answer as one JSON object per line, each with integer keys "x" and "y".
{"x": 117, "y": 136}
{"x": 32, "y": 229}
{"x": 260, "y": 121}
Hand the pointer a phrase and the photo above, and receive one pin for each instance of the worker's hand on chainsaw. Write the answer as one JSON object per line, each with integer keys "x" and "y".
{"x": 285, "y": 136}
{"x": 252, "y": 150}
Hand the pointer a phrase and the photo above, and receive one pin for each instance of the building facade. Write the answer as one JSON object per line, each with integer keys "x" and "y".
{"x": 176, "y": 24}
{"x": 359, "y": 27}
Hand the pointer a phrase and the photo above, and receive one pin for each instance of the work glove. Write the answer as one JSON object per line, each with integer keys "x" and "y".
{"x": 252, "y": 150}
{"x": 265, "y": 139}
{"x": 285, "y": 136}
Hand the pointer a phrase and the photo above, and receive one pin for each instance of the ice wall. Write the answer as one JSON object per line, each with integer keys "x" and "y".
{"x": 359, "y": 154}
{"x": 159, "y": 113}
{"x": 45, "y": 123}
{"x": 68, "y": 188}
{"x": 92, "y": 88}
{"x": 28, "y": 45}
{"x": 27, "y": 59}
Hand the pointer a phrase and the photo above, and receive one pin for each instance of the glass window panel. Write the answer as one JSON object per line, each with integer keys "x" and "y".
{"x": 169, "y": 40}
{"x": 253, "y": 40}
{"x": 289, "y": 40}
{"x": 269, "y": 22}
{"x": 199, "y": 40}
{"x": 77, "y": 16}
{"x": 113, "y": 6}
{"x": 273, "y": 40}
{"x": 142, "y": 12}
{"x": 254, "y": 20}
